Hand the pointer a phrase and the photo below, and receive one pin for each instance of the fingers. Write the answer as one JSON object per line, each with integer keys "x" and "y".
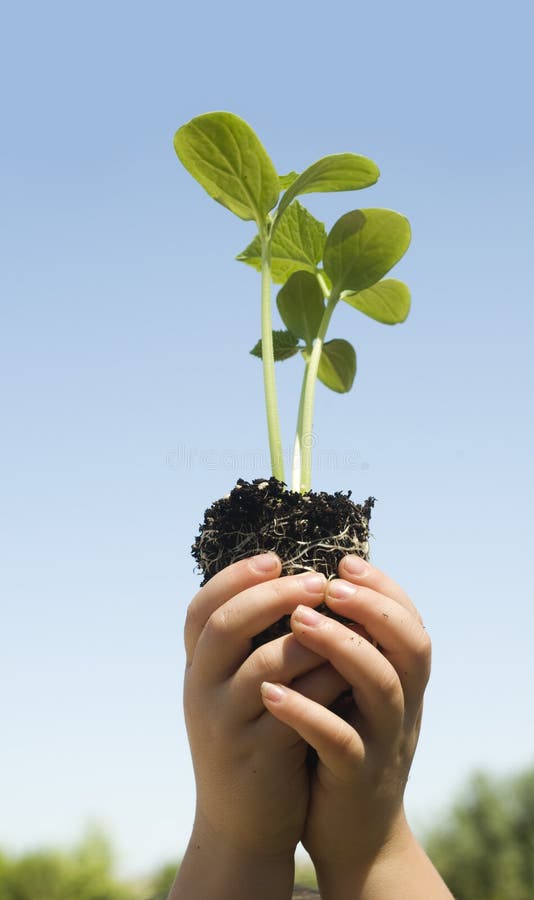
{"x": 283, "y": 660}
{"x": 338, "y": 745}
{"x": 221, "y": 588}
{"x": 375, "y": 684}
{"x": 353, "y": 568}
{"x": 225, "y": 641}
{"x": 323, "y": 684}
{"x": 399, "y": 632}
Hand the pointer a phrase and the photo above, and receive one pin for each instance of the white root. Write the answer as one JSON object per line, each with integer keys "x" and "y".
{"x": 297, "y": 555}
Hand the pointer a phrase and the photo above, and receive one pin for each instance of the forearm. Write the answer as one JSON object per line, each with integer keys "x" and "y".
{"x": 402, "y": 870}
{"x": 211, "y": 871}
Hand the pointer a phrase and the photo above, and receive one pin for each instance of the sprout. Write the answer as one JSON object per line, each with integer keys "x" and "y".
{"x": 316, "y": 270}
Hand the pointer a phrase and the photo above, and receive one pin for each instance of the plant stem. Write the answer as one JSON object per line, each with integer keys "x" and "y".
{"x": 269, "y": 381}
{"x": 302, "y": 455}
{"x": 297, "y": 449}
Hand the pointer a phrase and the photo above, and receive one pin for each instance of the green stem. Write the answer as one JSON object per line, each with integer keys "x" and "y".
{"x": 302, "y": 455}
{"x": 269, "y": 381}
{"x": 297, "y": 450}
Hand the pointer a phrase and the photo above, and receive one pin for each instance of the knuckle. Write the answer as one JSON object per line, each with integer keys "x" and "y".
{"x": 281, "y": 593}
{"x": 343, "y": 740}
{"x": 422, "y": 647}
{"x": 265, "y": 662}
{"x": 278, "y": 588}
{"x": 219, "y": 623}
{"x": 191, "y": 618}
{"x": 390, "y": 687}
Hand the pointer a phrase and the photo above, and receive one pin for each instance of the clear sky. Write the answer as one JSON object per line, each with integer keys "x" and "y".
{"x": 130, "y": 403}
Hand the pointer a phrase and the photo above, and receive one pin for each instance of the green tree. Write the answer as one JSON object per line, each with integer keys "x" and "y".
{"x": 84, "y": 873}
{"x": 485, "y": 849}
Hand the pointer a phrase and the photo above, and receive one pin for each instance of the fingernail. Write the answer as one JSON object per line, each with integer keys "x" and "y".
{"x": 313, "y": 582}
{"x": 272, "y": 692}
{"x": 341, "y": 590}
{"x": 265, "y": 562}
{"x": 307, "y": 616}
{"x": 355, "y": 565}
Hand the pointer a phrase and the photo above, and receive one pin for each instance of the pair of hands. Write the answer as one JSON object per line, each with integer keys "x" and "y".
{"x": 250, "y": 716}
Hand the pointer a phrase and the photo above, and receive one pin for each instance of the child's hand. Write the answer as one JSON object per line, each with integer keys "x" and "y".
{"x": 250, "y": 769}
{"x": 365, "y": 751}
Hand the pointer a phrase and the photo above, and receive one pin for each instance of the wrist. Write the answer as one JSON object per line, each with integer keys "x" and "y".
{"x": 213, "y": 868}
{"x": 400, "y": 869}
{"x": 358, "y": 847}
{"x": 344, "y": 877}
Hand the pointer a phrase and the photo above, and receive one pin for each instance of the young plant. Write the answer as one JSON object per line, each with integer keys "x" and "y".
{"x": 316, "y": 269}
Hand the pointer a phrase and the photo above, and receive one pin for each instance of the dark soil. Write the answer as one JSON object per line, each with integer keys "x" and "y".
{"x": 311, "y": 531}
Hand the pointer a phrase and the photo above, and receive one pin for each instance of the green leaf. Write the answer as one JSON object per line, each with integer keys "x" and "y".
{"x": 363, "y": 246}
{"x": 337, "y": 366}
{"x": 285, "y": 345}
{"x": 297, "y": 244}
{"x": 339, "y": 172}
{"x": 300, "y": 303}
{"x": 225, "y": 156}
{"x": 287, "y": 180}
{"x": 387, "y": 301}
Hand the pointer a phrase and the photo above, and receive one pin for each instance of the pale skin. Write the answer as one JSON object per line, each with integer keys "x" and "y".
{"x": 250, "y": 717}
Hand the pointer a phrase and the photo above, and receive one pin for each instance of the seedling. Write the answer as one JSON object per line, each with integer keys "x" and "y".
{"x": 316, "y": 270}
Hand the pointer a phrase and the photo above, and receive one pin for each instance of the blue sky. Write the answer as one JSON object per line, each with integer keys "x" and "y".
{"x": 130, "y": 403}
